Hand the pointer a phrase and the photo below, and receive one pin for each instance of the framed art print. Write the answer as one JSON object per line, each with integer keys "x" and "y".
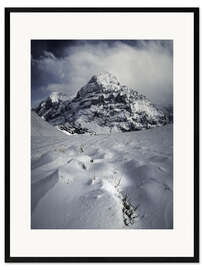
{"x": 102, "y": 134}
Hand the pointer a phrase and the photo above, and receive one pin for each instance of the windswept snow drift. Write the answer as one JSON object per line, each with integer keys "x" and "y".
{"x": 116, "y": 181}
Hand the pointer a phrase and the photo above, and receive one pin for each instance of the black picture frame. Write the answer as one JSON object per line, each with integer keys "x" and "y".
{"x": 8, "y": 257}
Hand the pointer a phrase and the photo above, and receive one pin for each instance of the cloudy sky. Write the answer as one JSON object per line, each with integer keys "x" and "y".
{"x": 66, "y": 65}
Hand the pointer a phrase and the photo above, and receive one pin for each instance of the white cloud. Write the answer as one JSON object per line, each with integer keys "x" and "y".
{"x": 148, "y": 68}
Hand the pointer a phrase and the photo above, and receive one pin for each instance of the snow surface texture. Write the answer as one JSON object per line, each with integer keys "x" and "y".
{"x": 103, "y": 105}
{"x": 116, "y": 181}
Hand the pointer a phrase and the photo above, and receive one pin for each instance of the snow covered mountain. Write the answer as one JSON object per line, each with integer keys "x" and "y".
{"x": 103, "y": 105}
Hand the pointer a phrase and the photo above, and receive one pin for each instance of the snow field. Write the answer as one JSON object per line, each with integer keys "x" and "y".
{"x": 117, "y": 181}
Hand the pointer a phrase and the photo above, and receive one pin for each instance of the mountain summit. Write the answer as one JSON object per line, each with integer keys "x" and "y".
{"x": 102, "y": 82}
{"x": 102, "y": 105}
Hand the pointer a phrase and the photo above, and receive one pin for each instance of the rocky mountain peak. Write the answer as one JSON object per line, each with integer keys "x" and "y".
{"x": 102, "y": 105}
{"x": 57, "y": 96}
{"x": 101, "y": 82}
{"x": 104, "y": 79}
{"x": 52, "y": 106}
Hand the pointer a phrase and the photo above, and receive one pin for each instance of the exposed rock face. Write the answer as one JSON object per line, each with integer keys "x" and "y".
{"x": 53, "y": 108}
{"x": 102, "y": 105}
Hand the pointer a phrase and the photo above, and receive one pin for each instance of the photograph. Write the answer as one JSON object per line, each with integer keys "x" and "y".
{"x": 101, "y": 134}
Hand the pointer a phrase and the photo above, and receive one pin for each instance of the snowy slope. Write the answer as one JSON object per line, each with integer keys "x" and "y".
{"x": 117, "y": 181}
{"x": 103, "y": 105}
{"x": 40, "y": 127}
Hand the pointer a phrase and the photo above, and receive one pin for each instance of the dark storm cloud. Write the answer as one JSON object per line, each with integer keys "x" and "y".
{"x": 65, "y": 66}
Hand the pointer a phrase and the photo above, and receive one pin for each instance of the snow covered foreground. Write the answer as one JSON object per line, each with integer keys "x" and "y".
{"x": 118, "y": 181}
